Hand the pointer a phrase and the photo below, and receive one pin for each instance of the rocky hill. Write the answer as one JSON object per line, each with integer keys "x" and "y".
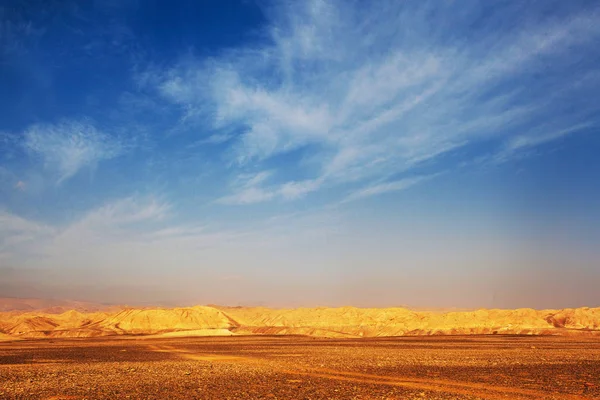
{"x": 325, "y": 322}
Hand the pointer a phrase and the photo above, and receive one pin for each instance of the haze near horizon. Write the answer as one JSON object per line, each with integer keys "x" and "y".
{"x": 372, "y": 154}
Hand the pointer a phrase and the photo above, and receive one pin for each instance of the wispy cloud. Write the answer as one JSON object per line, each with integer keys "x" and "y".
{"x": 127, "y": 224}
{"x": 249, "y": 189}
{"x": 22, "y": 236}
{"x": 386, "y": 187}
{"x": 521, "y": 143}
{"x": 69, "y": 146}
{"x": 252, "y": 188}
{"x": 12, "y": 224}
{"x": 373, "y": 92}
{"x": 217, "y": 138}
{"x": 249, "y": 195}
{"x": 137, "y": 233}
{"x": 125, "y": 212}
{"x": 548, "y": 135}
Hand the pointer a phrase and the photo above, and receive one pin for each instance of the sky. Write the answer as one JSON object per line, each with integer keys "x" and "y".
{"x": 301, "y": 153}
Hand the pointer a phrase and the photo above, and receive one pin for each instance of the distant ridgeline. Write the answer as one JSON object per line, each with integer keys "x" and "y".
{"x": 341, "y": 322}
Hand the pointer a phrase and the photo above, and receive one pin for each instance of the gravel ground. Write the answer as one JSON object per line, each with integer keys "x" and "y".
{"x": 288, "y": 367}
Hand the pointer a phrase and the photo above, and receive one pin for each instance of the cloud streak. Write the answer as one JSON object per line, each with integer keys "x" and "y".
{"x": 20, "y": 237}
{"x": 69, "y": 146}
{"x": 264, "y": 159}
{"x": 115, "y": 230}
{"x": 387, "y": 187}
{"x": 138, "y": 234}
{"x": 252, "y": 188}
{"x": 372, "y": 91}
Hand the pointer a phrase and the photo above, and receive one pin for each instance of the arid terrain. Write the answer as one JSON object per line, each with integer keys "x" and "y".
{"x": 342, "y": 322}
{"x": 297, "y": 367}
{"x": 212, "y": 352}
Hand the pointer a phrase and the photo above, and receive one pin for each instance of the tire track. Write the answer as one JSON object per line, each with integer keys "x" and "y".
{"x": 484, "y": 391}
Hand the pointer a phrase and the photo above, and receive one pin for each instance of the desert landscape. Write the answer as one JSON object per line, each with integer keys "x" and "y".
{"x": 299, "y": 199}
{"x": 23, "y": 321}
{"x": 213, "y": 352}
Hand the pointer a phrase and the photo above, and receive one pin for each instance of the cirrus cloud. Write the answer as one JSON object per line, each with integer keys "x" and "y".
{"x": 68, "y": 146}
{"x": 374, "y": 92}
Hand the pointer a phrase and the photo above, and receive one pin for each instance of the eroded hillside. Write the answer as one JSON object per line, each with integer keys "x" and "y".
{"x": 326, "y": 322}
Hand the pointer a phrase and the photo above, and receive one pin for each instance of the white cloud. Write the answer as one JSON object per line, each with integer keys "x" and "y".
{"x": 127, "y": 211}
{"x": 19, "y": 235}
{"x": 249, "y": 195}
{"x": 252, "y": 188}
{"x": 129, "y": 227}
{"x": 387, "y": 187}
{"x": 374, "y": 91}
{"x": 249, "y": 189}
{"x": 252, "y": 180}
{"x": 524, "y": 141}
{"x": 140, "y": 235}
{"x": 217, "y": 138}
{"x": 69, "y": 146}
{"x": 125, "y": 219}
{"x": 12, "y": 224}
{"x": 297, "y": 189}
{"x": 516, "y": 145}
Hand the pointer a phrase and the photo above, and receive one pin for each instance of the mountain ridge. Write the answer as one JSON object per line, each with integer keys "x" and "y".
{"x": 319, "y": 321}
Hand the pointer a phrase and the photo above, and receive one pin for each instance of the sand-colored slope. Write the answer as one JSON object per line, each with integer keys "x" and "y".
{"x": 40, "y": 324}
{"x": 329, "y": 322}
{"x": 163, "y": 320}
{"x": 125, "y": 322}
{"x": 576, "y": 318}
{"x": 400, "y": 321}
{"x": 4, "y": 337}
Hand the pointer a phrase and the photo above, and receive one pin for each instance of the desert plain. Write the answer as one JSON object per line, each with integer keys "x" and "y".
{"x": 320, "y": 353}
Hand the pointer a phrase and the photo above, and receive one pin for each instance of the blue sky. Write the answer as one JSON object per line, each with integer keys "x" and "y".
{"x": 432, "y": 153}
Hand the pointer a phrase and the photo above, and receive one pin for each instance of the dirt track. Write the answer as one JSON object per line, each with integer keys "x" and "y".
{"x": 491, "y": 367}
